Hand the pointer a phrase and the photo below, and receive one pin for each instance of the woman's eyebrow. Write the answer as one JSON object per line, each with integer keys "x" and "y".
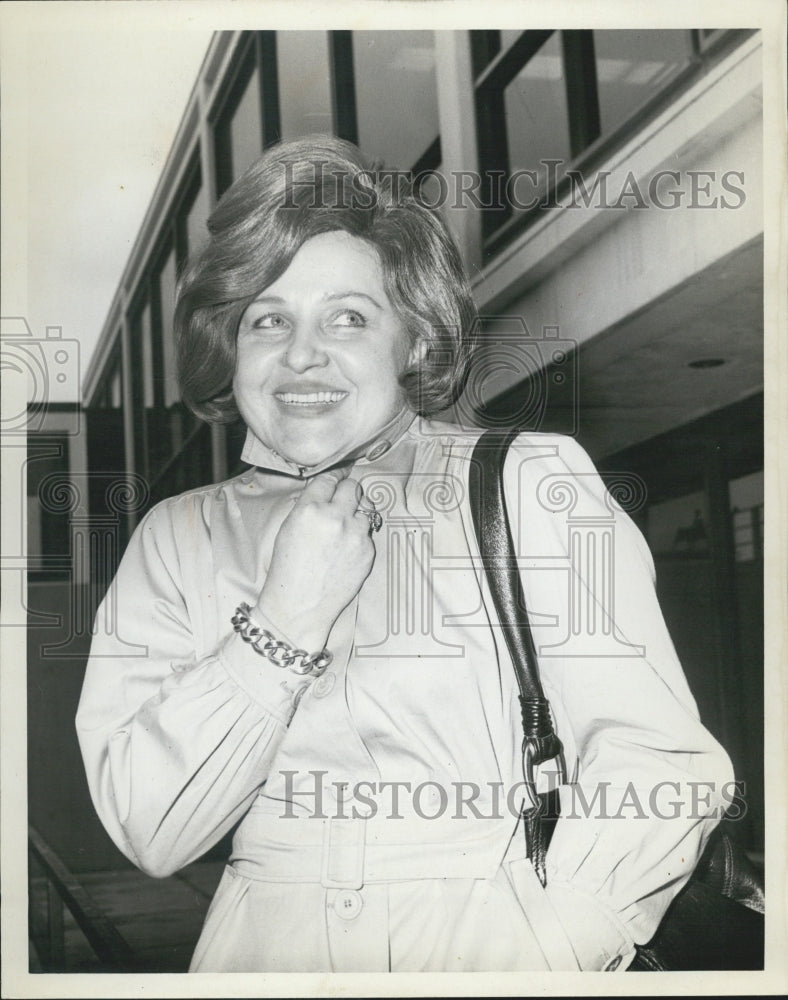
{"x": 277, "y": 299}
{"x": 333, "y": 296}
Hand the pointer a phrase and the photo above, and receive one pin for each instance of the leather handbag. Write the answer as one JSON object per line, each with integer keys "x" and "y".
{"x": 716, "y": 922}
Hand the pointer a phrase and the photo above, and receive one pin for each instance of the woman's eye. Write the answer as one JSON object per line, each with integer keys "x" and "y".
{"x": 349, "y": 317}
{"x": 269, "y": 321}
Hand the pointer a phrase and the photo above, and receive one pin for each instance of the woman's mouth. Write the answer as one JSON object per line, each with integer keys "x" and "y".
{"x": 310, "y": 399}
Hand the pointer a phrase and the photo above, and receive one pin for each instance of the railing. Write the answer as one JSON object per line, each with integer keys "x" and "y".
{"x": 62, "y": 888}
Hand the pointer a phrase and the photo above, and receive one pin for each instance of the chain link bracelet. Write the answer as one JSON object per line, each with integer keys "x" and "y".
{"x": 279, "y": 653}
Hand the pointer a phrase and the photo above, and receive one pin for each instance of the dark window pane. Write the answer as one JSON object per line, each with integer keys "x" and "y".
{"x": 167, "y": 288}
{"x": 396, "y": 95}
{"x": 246, "y": 138}
{"x": 304, "y": 95}
{"x": 196, "y": 231}
{"x": 116, "y": 389}
{"x": 48, "y": 510}
{"x": 147, "y": 359}
{"x": 111, "y": 394}
{"x": 509, "y": 36}
{"x": 485, "y": 46}
{"x": 537, "y": 122}
{"x": 632, "y": 66}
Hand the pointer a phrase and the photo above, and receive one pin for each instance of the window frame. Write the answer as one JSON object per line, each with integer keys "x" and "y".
{"x": 495, "y": 69}
{"x": 256, "y": 51}
{"x": 113, "y": 366}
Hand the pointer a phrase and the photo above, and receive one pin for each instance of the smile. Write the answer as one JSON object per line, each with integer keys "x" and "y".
{"x": 309, "y": 398}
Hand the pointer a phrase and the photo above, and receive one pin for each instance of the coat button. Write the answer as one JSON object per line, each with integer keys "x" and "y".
{"x": 324, "y": 685}
{"x": 378, "y": 450}
{"x": 348, "y": 904}
{"x": 613, "y": 964}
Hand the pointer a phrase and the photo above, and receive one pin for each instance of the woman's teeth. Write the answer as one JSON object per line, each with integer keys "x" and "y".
{"x": 307, "y": 398}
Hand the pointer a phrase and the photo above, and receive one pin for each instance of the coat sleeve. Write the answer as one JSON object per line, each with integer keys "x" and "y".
{"x": 651, "y": 782}
{"x": 175, "y": 743}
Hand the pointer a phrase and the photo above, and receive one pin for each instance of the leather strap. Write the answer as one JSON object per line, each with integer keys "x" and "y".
{"x": 499, "y": 559}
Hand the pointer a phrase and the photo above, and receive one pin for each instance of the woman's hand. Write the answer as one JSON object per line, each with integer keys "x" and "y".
{"x": 322, "y": 555}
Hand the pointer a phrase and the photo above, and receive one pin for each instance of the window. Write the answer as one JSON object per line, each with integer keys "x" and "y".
{"x": 304, "y": 91}
{"x": 171, "y": 392}
{"x": 115, "y": 395}
{"x": 245, "y": 117}
{"x": 288, "y": 84}
{"x": 537, "y": 120}
{"x": 110, "y": 396}
{"x": 231, "y": 138}
{"x": 146, "y": 335}
{"x": 246, "y": 141}
{"x": 633, "y": 65}
{"x": 48, "y": 506}
{"x": 548, "y": 101}
{"x": 170, "y": 420}
{"x": 746, "y": 503}
{"x": 196, "y": 218}
{"x": 141, "y": 377}
{"x": 395, "y": 71}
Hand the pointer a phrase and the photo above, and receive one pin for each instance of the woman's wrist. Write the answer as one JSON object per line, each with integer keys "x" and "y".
{"x": 291, "y": 625}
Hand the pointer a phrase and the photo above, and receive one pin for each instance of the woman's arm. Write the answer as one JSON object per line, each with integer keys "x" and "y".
{"x": 178, "y": 739}
{"x": 652, "y": 781}
{"x": 175, "y": 744}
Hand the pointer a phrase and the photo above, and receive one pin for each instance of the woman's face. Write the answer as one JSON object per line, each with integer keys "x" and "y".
{"x": 320, "y": 352}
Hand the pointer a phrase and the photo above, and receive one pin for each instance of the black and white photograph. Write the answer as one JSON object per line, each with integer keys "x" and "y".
{"x": 394, "y": 502}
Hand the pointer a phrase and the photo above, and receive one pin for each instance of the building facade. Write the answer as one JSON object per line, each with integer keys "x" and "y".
{"x": 605, "y": 189}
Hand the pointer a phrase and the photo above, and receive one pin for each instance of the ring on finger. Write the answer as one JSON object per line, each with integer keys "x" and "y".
{"x": 375, "y": 520}
{"x": 372, "y": 514}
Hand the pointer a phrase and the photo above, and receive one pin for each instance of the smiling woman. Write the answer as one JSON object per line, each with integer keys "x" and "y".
{"x": 323, "y": 667}
{"x": 319, "y": 366}
{"x": 308, "y": 188}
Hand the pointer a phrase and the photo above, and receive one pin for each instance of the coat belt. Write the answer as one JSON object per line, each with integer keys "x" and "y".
{"x": 347, "y": 853}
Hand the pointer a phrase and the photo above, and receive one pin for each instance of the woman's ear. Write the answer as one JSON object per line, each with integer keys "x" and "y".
{"x": 418, "y": 352}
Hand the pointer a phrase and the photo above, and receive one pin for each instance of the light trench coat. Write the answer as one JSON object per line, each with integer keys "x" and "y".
{"x": 379, "y": 803}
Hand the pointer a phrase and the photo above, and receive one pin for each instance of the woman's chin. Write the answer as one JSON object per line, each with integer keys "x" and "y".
{"x": 308, "y": 457}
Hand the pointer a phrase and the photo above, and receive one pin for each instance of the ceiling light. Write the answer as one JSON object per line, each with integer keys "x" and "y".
{"x": 707, "y": 363}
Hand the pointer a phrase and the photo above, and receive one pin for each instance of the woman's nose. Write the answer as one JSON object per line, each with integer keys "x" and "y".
{"x": 305, "y": 349}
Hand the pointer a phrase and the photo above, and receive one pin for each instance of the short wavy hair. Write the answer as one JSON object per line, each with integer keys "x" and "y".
{"x": 297, "y": 190}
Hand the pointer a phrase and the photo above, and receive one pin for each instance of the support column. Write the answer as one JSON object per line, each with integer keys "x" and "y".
{"x": 457, "y": 116}
{"x": 208, "y": 175}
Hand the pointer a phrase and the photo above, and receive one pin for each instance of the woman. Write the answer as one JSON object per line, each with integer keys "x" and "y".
{"x": 322, "y": 660}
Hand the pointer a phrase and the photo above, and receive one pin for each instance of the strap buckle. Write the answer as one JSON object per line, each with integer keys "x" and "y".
{"x": 344, "y": 840}
{"x": 533, "y": 754}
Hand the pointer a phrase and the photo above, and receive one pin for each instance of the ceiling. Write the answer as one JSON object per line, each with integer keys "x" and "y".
{"x": 634, "y": 381}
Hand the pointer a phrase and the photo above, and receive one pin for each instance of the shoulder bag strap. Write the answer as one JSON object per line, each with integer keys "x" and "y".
{"x": 499, "y": 559}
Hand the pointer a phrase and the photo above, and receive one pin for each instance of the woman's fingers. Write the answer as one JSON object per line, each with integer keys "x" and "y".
{"x": 335, "y": 489}
{"x": 348, "y": 494}
{"x": 321, "y": 488}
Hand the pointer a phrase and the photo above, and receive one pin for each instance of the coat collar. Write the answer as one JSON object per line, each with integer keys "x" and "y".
{"x": 259, "y": 454}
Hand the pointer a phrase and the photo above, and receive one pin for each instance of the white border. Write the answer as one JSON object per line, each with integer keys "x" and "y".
{"x": 770, "y": 15}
